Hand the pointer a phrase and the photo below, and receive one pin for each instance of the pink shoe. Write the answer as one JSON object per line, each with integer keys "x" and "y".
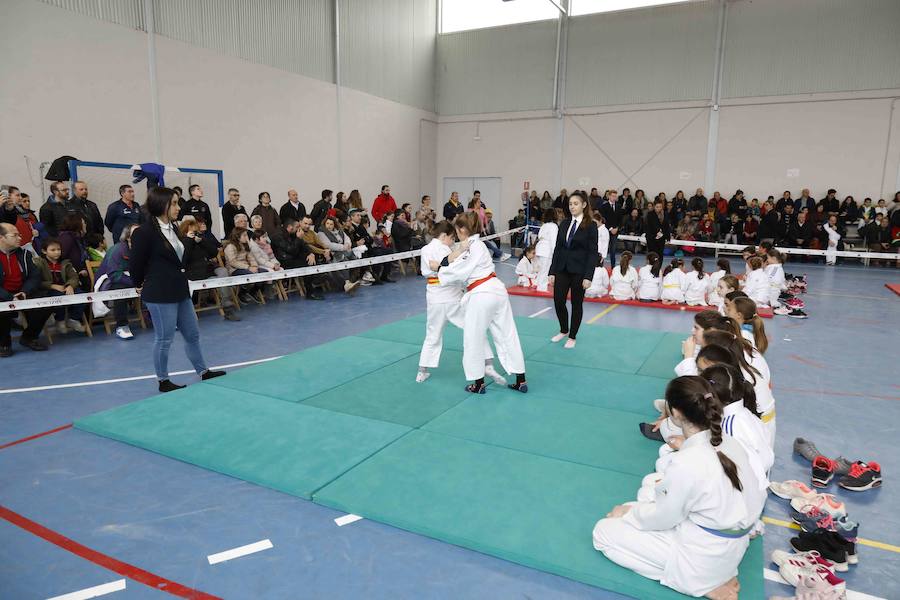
{"x": 826, "y": 503}
{"x": 791, "y": 489}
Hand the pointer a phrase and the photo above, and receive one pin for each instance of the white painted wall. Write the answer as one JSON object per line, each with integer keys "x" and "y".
{"x": 79, "y": 86}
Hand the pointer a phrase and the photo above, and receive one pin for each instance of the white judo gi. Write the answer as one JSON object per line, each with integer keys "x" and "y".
{"x": 756, "y": 286}
{"x": 486, "y": 307}
{"x": 621, "y": 287}
{"x": 443, "y": 306}
{"x": 527, "y": 271}
{"x": 649, "y": 286}
{"x": 599, "y": 283}
{"x": 833, "y": 238}
{"x": 694, "y": 289}
{"x": 544, "y": 253}
{"x": 777, "y": 283}
{"x": 693, "y": 534}
{"x": 672, "y": 285}
{"x": 712, "y": 293}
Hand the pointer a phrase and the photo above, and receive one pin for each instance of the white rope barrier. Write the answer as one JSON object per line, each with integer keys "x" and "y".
{"x": 738, "y": 247}
{"x": 220, "y": 282}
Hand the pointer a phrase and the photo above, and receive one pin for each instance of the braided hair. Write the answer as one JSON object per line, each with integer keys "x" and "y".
{"x": 730, "y": 386}
{"x": 693, "y": 397}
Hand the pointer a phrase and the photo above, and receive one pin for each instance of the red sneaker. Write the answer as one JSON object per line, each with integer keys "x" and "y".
{"x": 822, "y": 471}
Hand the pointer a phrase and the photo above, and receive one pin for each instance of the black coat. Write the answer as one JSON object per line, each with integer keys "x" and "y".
{"x": 155, "y": 266}
{"x": 90, "y": 211}
{"x": 580, "y": 256}
{"x": 229, "y": 212}
{"x": 320, "y": 211}
{"x": 289, "y": 212}
{"x": 197, "y": 209}
{"x": 654, "y": 226}
{"x": 613, "y": 214}
{"x": 197, "y": 254}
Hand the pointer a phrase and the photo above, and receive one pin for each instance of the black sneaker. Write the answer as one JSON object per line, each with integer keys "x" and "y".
{"x": 822, "y": 543}
{"x": 798, "y": 314}
{"x": 166, "y": 385}
{"x": 35, "y": 345}
{"x": 840, "y": 541}
{"x": 210, "y": 374}
{"x": 861, "y": 477}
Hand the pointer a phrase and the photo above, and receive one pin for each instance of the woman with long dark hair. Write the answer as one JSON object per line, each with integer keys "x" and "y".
{"x": 690, "y": 527}
{"x": 572, "y": 267}
{"x": 158, "y": 271}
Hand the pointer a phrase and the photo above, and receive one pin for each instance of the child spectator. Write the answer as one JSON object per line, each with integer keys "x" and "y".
{"x": 673, "y": 283}
{"x": 733, "y": 234}
{"x": 527, "y": 269}
{"x": 95, "y": 246}
{"x": 59, "y": 278}
{"x": 602, "y": 237}
{"x": 71, "y": 239}
{"x": 239, "y": 260}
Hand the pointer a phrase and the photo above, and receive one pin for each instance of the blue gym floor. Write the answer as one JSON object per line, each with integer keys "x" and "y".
{"x": 834, "y": 378}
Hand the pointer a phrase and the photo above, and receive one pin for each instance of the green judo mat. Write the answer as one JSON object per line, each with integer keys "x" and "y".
{"x": 521, "y": 477}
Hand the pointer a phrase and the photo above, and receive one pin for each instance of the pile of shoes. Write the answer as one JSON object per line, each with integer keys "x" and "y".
{"x": 811, "y": 574}
{"x": 791, "y": 305}
{"x": 855, "y": 476}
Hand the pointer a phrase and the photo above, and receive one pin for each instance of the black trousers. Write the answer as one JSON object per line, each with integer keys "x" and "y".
{"x": 563, "y": 285}
{"x": 655, "y": 246}
{"x": 36, "y": 318}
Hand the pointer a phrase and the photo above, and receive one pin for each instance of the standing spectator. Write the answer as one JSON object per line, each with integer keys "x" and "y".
{"x": 157, "y": 269}
{"x": 562, "y": 201}
{"x": 613, "y": 211}
{"x": 19, "y": 280}
{"x": 384, "y": 203}
{"x": 453, "y": 207}
{"x": 53, "y": 211}
{"x": 114, "y": 274}
{"x": 10, "y": 199}
{"x": 271, "y": 221}
{"x": 123, "y": 212}
{"x": 426, "y": 208}
{"x": 293, "y": 208}
{"x": 738, "y": 204}
{"x": 784, "y": 201}
{"x": 196, "y": 208}
{"x": 595, "y": 200}
{"x": 180, "y": 193}
{"x": 697, "y": 205}
{"x": 27, "y": 224}
{"x": 87, "y": 208}
{"x": 657, "y": 228}
{"x": 232, "y": 208}
{"x": 321, "y": 208}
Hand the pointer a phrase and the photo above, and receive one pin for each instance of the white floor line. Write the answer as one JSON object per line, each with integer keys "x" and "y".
{"x": 347, "y": 519}
{"x": 540, "y": 312}
{"x": 238, "y": 552}
{"x": 775, "y": 576}
{"x": 93, "y": 592}
{"x": 60, "y": 386}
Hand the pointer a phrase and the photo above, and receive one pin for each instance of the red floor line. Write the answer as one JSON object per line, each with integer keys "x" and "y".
{"x": 894, "y": 287}
{"x": 36, "y": 436}
{"x": 806, "y": 361}
{"x": 122, "y": 568}
{"x": 778, "y": 388}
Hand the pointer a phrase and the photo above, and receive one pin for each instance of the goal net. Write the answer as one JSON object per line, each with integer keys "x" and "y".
{"x": 103, "y": 181}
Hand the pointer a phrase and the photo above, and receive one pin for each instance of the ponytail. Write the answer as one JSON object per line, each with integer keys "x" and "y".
{"x": 724, "y": 265}
{"x": 746, "y": 307}
{"x": 694, "y": 398}
{"x": 654, "y": 262}
{"x": 675, "y": 264}
{"x": 625, "y": 262}
{"x": 729, "y": 384}
{"x": 697, "y": 263}
{"x": 735, "y": 344}
{"x": 468, "y": 221}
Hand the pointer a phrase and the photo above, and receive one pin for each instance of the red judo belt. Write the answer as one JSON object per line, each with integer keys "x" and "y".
{"x": 478, "y": 282}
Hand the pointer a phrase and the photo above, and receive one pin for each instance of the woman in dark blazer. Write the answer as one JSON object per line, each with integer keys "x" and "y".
{"x": 158, "y": 271}
{"x": 572, "y": 267}
{"x": 657, "y": 228}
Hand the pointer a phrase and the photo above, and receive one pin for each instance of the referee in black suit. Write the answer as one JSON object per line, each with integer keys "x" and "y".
{"x": 572, "y": 267}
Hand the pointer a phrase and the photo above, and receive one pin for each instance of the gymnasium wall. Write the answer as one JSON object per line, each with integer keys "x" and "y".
{"x": 808, "y": 99}
{"x": 79, "y": 84}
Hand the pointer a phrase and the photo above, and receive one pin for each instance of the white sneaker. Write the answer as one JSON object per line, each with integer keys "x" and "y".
{"x": 491, "y": 372}
{"x": 559, "y": 337}
{"x": 351, "y": 286}
{"x": 505, "y": 257}
{"x": 75, "y": 325}
{"x": 783, "y": 310}
{"x": 367, "y": 276}
{"x": 61, "y": 328}
{"x": 422, "y": 376}
{"x": 570, "y": 343}
{"x": 124, "y": 332}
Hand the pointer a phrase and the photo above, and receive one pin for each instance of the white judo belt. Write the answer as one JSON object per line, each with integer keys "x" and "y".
{"x": 738, "y": 247}
{"x": 220, "y": 282}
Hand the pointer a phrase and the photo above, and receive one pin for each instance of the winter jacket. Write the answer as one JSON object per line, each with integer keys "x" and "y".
{"x": 289, "y": 212}
{"x": 115, "y": 266}
{"x": 383, "y": 205}
{"x": 119, "y": 215}
{"x": 229, "y": 212}
{"x": 320, "y": 211}
{"x": 68, "y": 272}
{"x": 31, "y": 276}
{"x": 238, "y": 257}
{"x": 52, "y": 215}
{"x": 197, "y": 209}
{"x": 198, "y": 253}
{"x": 89, "y": 210}
{"x": 73, "y": 249}
{"x": 270, "y": 218}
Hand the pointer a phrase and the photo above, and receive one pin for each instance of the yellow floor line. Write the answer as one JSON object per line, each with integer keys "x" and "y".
{"x": 863, "y": 541}
{"x": 597, "y": 316}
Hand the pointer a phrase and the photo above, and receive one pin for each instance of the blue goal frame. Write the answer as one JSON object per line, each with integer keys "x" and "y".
{"x": 220, "y": 178}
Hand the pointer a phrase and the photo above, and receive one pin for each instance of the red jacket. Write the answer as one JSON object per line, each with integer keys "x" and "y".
{"x": 383, "y": 205}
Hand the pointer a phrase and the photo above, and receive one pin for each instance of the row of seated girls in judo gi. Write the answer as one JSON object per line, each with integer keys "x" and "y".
{"x": 695, "y": 514}
{"x": 463, "y": 289}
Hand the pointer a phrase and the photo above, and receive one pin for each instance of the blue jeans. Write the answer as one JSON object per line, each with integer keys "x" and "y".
{"x": 494, "y": 248}
{"x": 167, "y": 316}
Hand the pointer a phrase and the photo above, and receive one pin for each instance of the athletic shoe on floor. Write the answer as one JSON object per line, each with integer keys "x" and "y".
{"x": 842, "y": 465}
{"x": 812, "y": 518}
{"x": 476, "y": 388}
{"x": 367, "y": 276}
{"x": 812, "y": 579}
{"x": 505, "y": 257}
{"x": 74, "y": 325}
{"x": 124, "y": 332}
{"x": 798, "y": 314}
{"x": 422, "y": 376}
{"x": 795, "y": 303}
{"x": 809, "y": 559}
{"x": 820, "y": 541}
{"x": 862, "y": 476}
{"x": 491, "y": 372}
{"x": 822, "y": 471}
{"x": 782, "y": 310}
{"x": 849, "y": 546}
{"x": 847, "y": 529}
{"x": 570, "y": 343}
{"x": 826, "y": 503}
{"x": 791, "y": 489}
{"x": 806, "y": 449}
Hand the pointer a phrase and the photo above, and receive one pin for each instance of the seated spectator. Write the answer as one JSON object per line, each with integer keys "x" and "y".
{"x": 697, "y": 205}
{"x": 271, "y": 222}
{"x": 261, "y": 245}
{"x": 633, "y": 224}
{"x": 71, "y": 239}
{"x": 770, "y": 226}
{"x": 706, "y": 229}
{"x": 59, "y": 278}
{"x": 241, "y": 221}
{"x": 865, "y": 214}
{"x": 113, "y": 274}
{"x": 494, "y": 244}
{"x": 334, "y": 239}
{"x": 239, "y": 260}
{"x": 200, "y": 261}
{"x": 877, "y": 237}
{"x": 848, "y": 212}
{"x": 685, "y": 229}
{"x": 232, "y": 208}
{"x": 96, "y": 247}
{"x": 401, "y": 232}
{"x": 881, "y": 208}
{"x": 293, "y": 253}
{"x": 19, "y": 280}
{"x": 755, "y": 209}
{"x": 734, "y": 230}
